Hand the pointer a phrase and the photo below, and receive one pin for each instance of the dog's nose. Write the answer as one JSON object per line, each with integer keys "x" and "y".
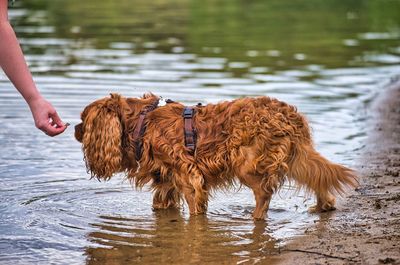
{"x": 78, "y": 132}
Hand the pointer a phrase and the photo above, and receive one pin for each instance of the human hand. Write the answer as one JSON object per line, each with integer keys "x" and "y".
{"x": 46, "y": 117}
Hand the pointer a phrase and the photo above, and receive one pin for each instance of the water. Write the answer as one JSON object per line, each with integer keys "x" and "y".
{"x": 328, "y": 58}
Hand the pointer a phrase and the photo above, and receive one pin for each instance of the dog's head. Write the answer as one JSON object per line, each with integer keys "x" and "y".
{"x": 100, "y": 134}
{"x": 104, "y": 134}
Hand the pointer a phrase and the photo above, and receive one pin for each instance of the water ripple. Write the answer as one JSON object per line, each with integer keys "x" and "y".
{"x": 51, "y": 213}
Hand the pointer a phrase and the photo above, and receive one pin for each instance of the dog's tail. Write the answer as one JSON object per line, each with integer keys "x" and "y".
{"x": 315, "y": 173}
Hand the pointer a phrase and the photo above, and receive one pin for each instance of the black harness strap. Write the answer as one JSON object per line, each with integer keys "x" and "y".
{"x": 138, "y": 135}
{"x": 189, "y": 130}
{"x": 140, "y": 130}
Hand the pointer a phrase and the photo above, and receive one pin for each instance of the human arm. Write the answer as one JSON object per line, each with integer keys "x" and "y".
{"x": 13, "y": 63}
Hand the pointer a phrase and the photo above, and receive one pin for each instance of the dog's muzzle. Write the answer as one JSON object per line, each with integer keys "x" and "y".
{"x": 79, "y": 132}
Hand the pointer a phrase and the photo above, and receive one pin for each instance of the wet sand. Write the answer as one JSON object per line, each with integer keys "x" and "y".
{"x": 366, "y": 227}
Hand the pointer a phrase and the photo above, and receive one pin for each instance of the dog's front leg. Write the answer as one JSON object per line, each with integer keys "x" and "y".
{"x": 165, "y": 194}
{"x": 191, "y": 184}
{"x": 197, "y": 204}
{"x": 188, "y": 192}
{"x": 166, "y": 197}
{"x": 196, "y": 181}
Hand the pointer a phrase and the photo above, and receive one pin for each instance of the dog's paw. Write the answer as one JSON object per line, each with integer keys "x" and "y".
{"x": 258, "y": 216}
{"x": 320, "y": 209}
{"x": 164, "y": 206}
{"x": 324, "y": 204}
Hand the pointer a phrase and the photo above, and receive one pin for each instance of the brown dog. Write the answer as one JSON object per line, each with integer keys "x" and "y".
{"x": 258, "y": 141}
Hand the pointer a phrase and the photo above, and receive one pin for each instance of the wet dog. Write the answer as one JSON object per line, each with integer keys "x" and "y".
{"x": 260, "y": 142}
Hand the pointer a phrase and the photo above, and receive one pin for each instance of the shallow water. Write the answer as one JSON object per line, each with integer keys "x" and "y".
{"x": 330, "y": 59}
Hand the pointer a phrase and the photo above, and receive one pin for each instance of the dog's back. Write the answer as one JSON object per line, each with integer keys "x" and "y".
{"x": 261, "y": 141}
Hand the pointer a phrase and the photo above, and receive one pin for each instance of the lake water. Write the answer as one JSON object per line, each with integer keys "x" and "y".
{"x": 329, "y": 58}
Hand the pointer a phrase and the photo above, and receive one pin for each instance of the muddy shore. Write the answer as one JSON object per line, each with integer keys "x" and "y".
{"x": 366, "y": 227}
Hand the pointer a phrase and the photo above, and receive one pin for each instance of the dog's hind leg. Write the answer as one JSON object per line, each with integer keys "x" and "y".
{"x": 262, "y": 204}
{"x": 312, "y": 171}
{"x": 261, "y": 195}
{"x": 262, "y": 198}
{"x": 263, "y": 174}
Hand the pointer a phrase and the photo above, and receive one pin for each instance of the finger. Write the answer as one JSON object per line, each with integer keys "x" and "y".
{"x": 56, "y": 119}
{"x": 53, "y": 131}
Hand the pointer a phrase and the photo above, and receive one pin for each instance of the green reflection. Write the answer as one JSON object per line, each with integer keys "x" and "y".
{"x": 274, "y": 33}
{"x": 313, "y": 31}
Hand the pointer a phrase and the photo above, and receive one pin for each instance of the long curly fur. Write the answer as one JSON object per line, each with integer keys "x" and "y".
{"x": 258, "y": 141}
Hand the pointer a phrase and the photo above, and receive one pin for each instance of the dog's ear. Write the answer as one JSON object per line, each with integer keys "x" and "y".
{"x": 101, "y": 140}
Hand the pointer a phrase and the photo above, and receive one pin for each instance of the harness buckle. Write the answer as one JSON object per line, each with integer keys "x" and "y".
{"x": 188, "y": 113}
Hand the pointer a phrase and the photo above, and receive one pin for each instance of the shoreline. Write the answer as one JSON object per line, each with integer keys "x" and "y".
{"x": 366, "y": 227}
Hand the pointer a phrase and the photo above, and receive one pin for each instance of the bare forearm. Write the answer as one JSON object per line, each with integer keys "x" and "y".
{"x": 13, "y": 63}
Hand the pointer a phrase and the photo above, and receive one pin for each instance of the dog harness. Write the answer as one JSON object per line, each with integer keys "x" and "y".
{"x": 140, "y": 129}
{"x": 189, "y": 130}
{"x": 190, "y": 133}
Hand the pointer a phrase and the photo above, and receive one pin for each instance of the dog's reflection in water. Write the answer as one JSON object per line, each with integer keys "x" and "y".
{"x": 169, "y": 238}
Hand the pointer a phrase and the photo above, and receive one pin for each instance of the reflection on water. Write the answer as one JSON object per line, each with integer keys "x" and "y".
{"x": 170, "y": 238}
{"x": 327, "y": 58}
